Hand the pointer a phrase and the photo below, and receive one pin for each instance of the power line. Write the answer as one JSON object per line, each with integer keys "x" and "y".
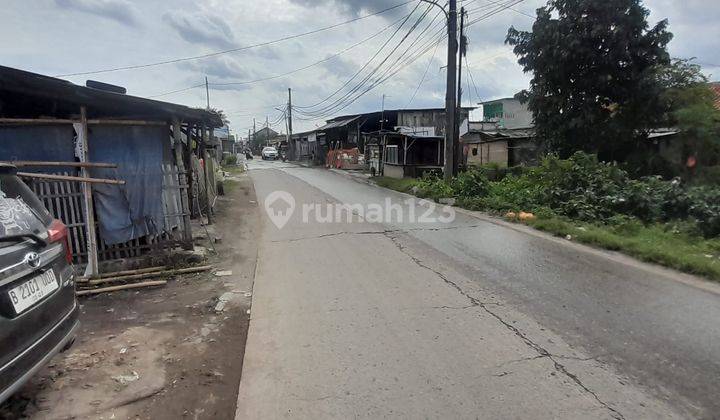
{"x": 467, "y": 66}
{"x": 176, "y": 91}
{"x": 382, "y": 47}
{"x": 410, "y": 60}
{"x": 214, "y": 54}
{"x": 412, "y": 98}
{"x": 386, "y": 76}
{"x": 499, "y": 9}
{"x": 330, "y": 57}
{"x": 292, "y": 71}
{"x": 338, "y": 103}
{"x": 490, "y": 4}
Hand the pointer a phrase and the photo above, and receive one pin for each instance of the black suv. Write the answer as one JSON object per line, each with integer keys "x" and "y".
{"x": 38, "y": 310}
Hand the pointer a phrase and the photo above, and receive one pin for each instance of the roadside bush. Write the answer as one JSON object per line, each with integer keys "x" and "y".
{"x": 652, "y": 199}
{"x": 515, "y": 193}
{"x": 230, "y": 160}
{"x": 471, "y": 183}
{"x": 704, "y": 207}
{"x": 433, "y": 187}
{"x": 582, "y": 188}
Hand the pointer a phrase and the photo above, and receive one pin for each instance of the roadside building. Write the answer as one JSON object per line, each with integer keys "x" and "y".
{"x": 261, "y": 138}
{"x": 505, "y": 147}
{"x": 305, "y": 147}
{"x": 507, "y": 113}
{"x": 153, "y": 159}
{"x": 227, "y": 145}
{"x": 504, "y": 137}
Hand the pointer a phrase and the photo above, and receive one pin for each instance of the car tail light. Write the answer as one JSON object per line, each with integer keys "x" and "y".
{"x": 58, "y": 232}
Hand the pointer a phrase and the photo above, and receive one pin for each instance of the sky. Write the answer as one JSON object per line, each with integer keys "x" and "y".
{"x": 59, "y": 37}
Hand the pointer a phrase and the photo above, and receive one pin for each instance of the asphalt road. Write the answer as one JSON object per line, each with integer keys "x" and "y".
{"x": 473, "y": 318}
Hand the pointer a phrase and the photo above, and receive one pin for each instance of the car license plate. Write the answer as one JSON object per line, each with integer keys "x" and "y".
{"x": 33, "y": 291}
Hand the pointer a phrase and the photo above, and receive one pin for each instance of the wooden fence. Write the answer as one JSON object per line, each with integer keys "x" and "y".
{"x": 64, "y": 200}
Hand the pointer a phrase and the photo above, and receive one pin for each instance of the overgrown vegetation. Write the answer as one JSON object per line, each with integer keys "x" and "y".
{"x": 603, "y": 81}
{"x": 667, "y": 222}
{"x": 230, "y": 159}
{"x": 594, "y": 65}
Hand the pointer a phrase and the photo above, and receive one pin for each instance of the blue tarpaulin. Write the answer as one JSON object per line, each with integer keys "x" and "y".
{"x": 43, "y": 142}
{"x": 129, "y": 211}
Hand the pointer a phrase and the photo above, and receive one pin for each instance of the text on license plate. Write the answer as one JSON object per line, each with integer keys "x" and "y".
{"x": 33, "y": 291}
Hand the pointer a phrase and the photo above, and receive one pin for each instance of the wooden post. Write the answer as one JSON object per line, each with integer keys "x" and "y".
{"x": 82, "y": 138}
{"x": 182, "y": 180}
{"x": 190, "y": 169}
{"x": 206, "y": 169}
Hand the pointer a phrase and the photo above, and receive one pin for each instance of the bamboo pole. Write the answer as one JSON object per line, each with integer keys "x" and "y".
{"x": 182, "y": 182}
{"x": 124, "y": 273}
{"x": 82, "y": 132}
{"x": 71, "y": 178}
{"x": 149, "y": 275}
{"x": 121, "y": 287}
{"x": 20, "y": 163}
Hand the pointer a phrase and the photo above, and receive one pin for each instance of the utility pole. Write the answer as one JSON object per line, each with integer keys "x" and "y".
{"x": 457, "y": 151}
{"x": 254, "y": 134}
{"x": 450, "y": 92}
{"x": 207, "y": 92}
{"x": 289, "y": 127}
{"x": 382, "y": 113}
{"x": 267, "y": 132}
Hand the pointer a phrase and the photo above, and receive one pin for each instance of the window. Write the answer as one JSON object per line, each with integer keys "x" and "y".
{"x": 391, "y": 154}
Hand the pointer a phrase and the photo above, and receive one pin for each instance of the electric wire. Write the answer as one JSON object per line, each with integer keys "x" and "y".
{"x": 217, "y": 53}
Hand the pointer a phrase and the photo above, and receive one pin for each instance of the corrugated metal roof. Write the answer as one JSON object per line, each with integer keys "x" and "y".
{"x": 337, "y": 124}
{"x": 516, "y": 133}
{"x": 63, "y": 96}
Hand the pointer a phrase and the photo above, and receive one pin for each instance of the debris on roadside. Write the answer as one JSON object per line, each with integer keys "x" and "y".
{"x": 223, "y": 273}
{"x": 222, "y": 301}
{"x": 526, "y": 216}
{"x": 88, "y": 286}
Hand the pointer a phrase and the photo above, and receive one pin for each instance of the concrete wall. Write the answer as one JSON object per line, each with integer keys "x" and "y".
{"x": 426, "y": 118}
{"x": 393, "y": 171}
{"x": 514, "y": 114}
{"x": 483, "y": 153}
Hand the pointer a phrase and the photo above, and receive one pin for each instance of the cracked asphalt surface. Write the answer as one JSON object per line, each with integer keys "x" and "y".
{"x": 468, "y": 319}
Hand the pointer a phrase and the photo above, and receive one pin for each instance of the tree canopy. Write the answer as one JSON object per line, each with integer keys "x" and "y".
{"x": 594, "y": 64}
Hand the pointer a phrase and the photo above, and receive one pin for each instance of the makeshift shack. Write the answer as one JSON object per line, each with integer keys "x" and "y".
{"x": 124, "y": 162}
{"x": 410, "y": 155}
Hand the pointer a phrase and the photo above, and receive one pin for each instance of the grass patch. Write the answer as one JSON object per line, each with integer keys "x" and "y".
{"x": 229, "y": 185}
{"x": 661, "y": 244}
{"x": 657, "y": 244}
{"x": 234, "y": 169}
{"x": 403, "y": 185}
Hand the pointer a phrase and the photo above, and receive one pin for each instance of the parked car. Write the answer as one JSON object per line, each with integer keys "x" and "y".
{"x": 38, "y": 309}
{"x": 269, "y": 152}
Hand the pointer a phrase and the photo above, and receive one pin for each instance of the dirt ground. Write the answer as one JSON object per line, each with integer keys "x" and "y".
{"x": 164, "y": 353}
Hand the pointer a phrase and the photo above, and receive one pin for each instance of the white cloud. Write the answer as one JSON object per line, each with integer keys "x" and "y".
{"x": 201, "y": 28}
{"x": 120, "y": 11}
{"x": 149, "y": 33}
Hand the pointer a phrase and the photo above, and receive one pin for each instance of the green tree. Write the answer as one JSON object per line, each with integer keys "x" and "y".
{"x": 594, "y": 65}
{"x": 691, "y": 108}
